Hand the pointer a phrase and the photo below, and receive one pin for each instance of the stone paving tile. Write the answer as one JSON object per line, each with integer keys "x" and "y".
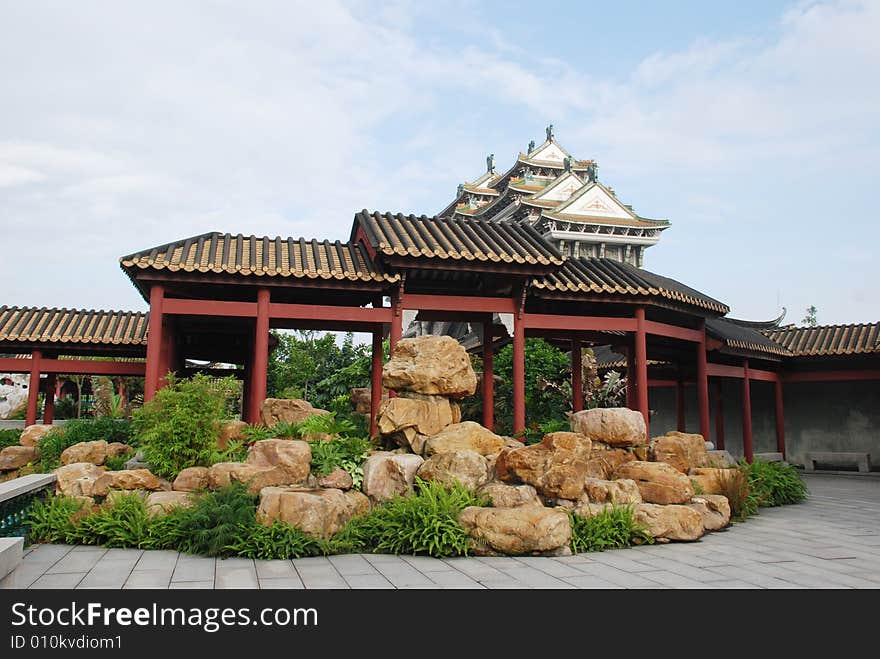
{"x": 368, "y": 581}
{"x": 59, "y": 580}
{"x": 148, "y": 579}
{"x": 590, "y": 582}
{"x": 275, "y": 570}
{"x": 282, "y": 583}
{"x": 235, "y": 573}
{"x": 77, "y": 561}
{"x": 109, "y": 573}
{"x": 158, "y": 560}
{"x": 351, "y": 564}
{"x": 549, "y": 566}
{"x": 617, "y": 577}
{"x": 453, "y": 579}
{"x": 403, "y": 575}
{"x": 536, "y": 578}
{"x": 315, "y": 575}
{"x": 426, "y": 564}
{"x": 672, "y": 579}
{"x": 191, "y": 585}
{"x": 193, "y": 568}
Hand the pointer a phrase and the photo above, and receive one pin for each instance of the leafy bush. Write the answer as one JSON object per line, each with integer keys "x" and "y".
{"x": 9, "y": 437}
{"x": 347, "y": 453}
{"x": 278, "y": 541}
{"x": 236, "y": 451}
{"x": 257, "y": 431}
{"x": 53, "y": 443}
{"x": 180, "y": 426}
{"x": 117, "y": 462}
{"x": 774, "y": 483}
{"x": 210, "y": 527}
{"x": 423, "y": 523}
{"x": 53, "y": 520}
{"x": 613, "y": 528}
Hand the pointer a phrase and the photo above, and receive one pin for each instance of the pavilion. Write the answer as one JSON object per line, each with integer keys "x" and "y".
{"x": 560, "y": 265}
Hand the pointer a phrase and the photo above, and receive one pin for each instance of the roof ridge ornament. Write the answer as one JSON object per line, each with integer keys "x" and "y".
{"x": 592, "y": 171}
{"x": 531, "y": 147}
{"x": 490, "y": 163}
{"x": 549, "y": 131}
{"x": 566, "y": 162}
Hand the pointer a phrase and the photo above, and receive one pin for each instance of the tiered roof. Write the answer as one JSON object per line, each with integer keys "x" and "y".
{"x": 19, "y": 325}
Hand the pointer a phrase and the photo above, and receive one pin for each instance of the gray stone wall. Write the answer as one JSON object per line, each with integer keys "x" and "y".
{"x": 819, "y": 416}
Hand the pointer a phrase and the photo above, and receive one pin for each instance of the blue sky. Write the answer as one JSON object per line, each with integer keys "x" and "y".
{"x": 751, "y": 126}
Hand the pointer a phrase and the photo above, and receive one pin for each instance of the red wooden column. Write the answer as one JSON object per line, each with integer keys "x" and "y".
{"x": 577, "y": 376}
{"x": 680, "y": 406}
{"x": 33, "y": 388}
{"x": 748, "y": 448}
{"x": 780, "y": 418}
{"x": 260, "y": 361}
{"x": 703, "y": 385}
{"x": 375, "y": 379}
{"x": 641, "y": 366}
{"x": 396, "y": 318}
{"x": 630, "y": 379}
{"x": 719, "y": 416}
{"x": 49, "y": 406}
{"x": 488, "y": 384}
{"x": 519, "y": 375}
{"x": 154, "y": 342}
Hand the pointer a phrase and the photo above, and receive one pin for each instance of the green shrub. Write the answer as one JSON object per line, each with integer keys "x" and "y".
{"x": 53, "y": 519}
{"x": 9, "y": 437}
{"x": 124, "y": 523}
{"x": 278, "y": 541}
{"x": 734, "y": 484}
{"x": 423, "y": 523}
{"x": 180, "y": 426}
{"x": 236, "y": 451}
{"x": 774, "y": 483}
{"x": 347, "y": 453}
{"x": 257, "y": 431}
{"x": 53, "y": 443}
{"x": 210, "y": 527}
{"x": 117, "y": 462}
{"x": 613, "y": 528}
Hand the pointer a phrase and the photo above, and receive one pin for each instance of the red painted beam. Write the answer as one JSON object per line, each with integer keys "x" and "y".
{"x": 73, "y": 367}
{"x": 458, "y": 303}
{"x": 488, "y": 384}
{"x": 663, "y": 383}
{"x": 832, "y": 376}
{"x": 227, "y": 308}
{"x": 578, "y": 323}
{"x": 673, "y": 332}
{"x": 719, "y": 416}
{"x": 15, "y": 364}
{"x": 724, "y": 371}
{"x": 319, "y": 312}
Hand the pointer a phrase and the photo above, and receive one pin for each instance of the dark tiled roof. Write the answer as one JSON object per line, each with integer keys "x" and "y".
{"x": 827, "y": 340}
{"x": 456, "y": 239}
{"x": 738, "y": 336}
{"x": 251, "y": 255}
{"x": 600, "y": 275}
{"x": 33, "y": 325}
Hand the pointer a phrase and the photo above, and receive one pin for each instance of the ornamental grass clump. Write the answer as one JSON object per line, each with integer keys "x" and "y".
{"x": 613, "y": 528}
{"x": 424, "y": 523}
{"x": 774, "y": 483}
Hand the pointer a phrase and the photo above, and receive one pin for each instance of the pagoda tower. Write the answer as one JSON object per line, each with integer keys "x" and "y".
{"x": 564, "y": 200}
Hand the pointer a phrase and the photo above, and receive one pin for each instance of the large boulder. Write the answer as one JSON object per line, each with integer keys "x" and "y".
{"x": 161, "y": 503}
{"x": 231, "y": 431}
{"x": 464, "y": 436}
{"x": 502, "y": 495}
{"x": 434, "y": 365}
{"x": 291, "y": 410}
{"x": 361, "y": 398}
{"x": 191, "y": 479}
{"x": 134, "y": 479}
{"x": 255, "y": 477}
{"x": 615, "y": 426}
{"x": 683, "y": 451}
{"x": 410, "y": 418}
{"x": 14, "y": 457}
{"x": 320, "y": 513}
{"x": 387, "y": 475}
{"x": 657, "y": 481}
{"x": 117, "y": 449}
{"x": 468, "y": 468}
{"x": 714, "y": 510}
{"x": 94, "y": 452}
{"x": 670, "y": 522}
{"x": 520, "y": 530}
{"x": 603, "y": 463}
{"x": 556, "y": 467}
{"x": 82, "y": 479}
{"x": 32, "y": 434}
{"x": 337, "y": 479}
{"x": 709, "y": 480}
{"x": 289, "y": 456}
{"x": 620, "y": 492}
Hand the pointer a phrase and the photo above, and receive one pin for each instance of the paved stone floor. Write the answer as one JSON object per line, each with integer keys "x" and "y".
{"x": 832, "y": 541}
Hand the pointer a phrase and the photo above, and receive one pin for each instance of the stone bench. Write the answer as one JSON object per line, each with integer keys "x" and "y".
{"x": 861, "y": 460}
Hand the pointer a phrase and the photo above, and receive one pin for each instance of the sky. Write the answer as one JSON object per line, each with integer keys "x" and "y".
{"x": 751, "y": 126}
